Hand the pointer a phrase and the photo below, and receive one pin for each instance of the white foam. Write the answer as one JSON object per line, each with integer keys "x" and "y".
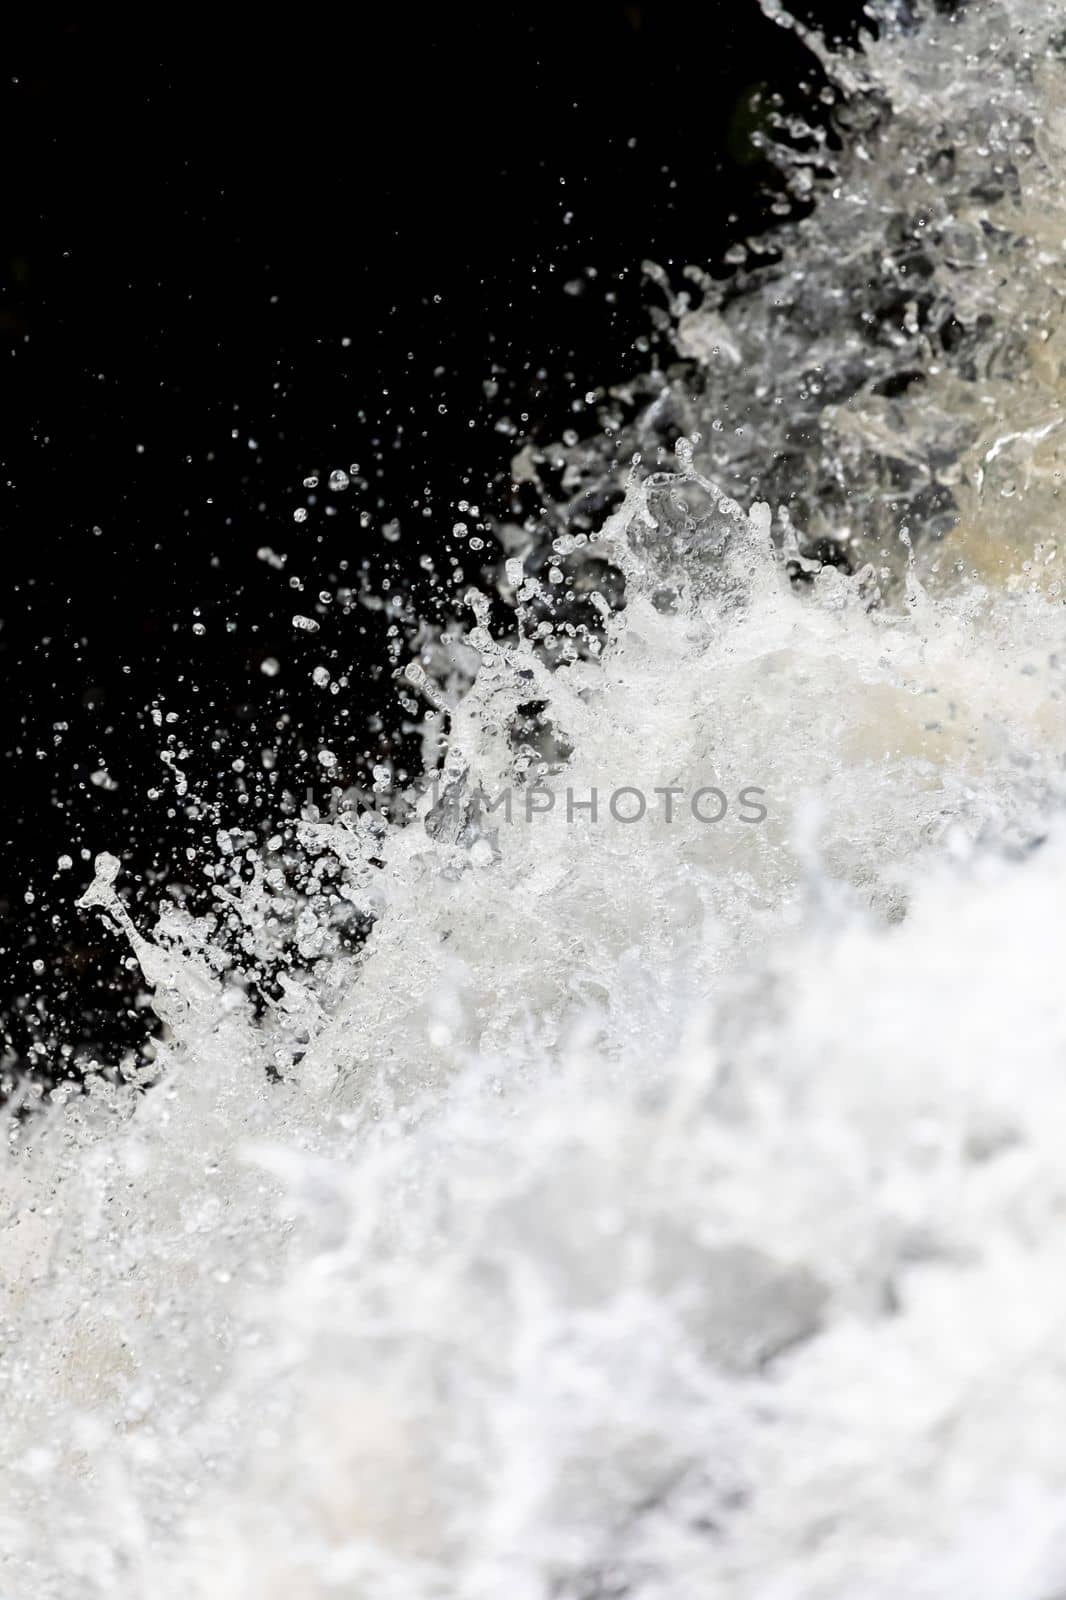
{"x": 648, "y": 1209}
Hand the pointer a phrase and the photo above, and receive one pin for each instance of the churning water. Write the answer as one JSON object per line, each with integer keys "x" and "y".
{"x": 652, "y": 1208}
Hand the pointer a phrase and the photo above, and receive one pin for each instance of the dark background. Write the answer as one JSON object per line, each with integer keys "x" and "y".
{"x": 240, "y": 252}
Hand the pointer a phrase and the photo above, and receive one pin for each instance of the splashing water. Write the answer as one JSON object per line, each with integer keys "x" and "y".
{"x": 647, "y": 1208}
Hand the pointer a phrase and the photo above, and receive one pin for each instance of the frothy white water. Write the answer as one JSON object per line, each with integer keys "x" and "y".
{"x": 649, "y": 1209}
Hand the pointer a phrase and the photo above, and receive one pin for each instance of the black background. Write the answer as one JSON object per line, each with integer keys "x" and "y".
{"x": 240, "y": 251}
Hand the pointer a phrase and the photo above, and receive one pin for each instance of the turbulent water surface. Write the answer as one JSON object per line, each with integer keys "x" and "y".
{"x": 666, "y": 1199}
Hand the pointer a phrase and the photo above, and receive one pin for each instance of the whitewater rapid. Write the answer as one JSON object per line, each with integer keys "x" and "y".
{"x": 650, "y": 1206}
